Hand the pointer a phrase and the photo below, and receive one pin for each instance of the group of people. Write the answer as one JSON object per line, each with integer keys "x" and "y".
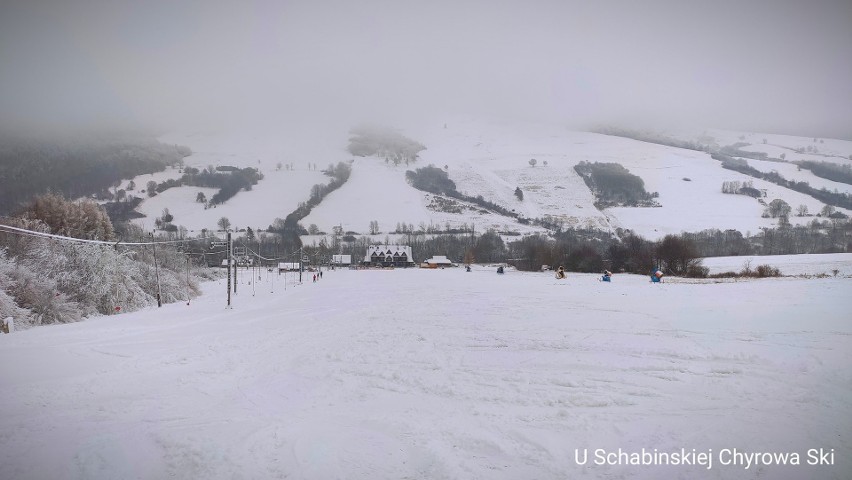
{"x": 317, "y": 276}
{"x": 560, "y": 274}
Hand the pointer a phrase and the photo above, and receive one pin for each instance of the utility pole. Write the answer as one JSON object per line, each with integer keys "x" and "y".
{"x": 229, "y": 269}
{"x": 235, "y": 276}
{"x": 156, "y": 271}
{"x": 187, "y": 279}
{"x": 300, "y": 265}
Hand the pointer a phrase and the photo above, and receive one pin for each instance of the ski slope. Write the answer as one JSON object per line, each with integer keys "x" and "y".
{"x": 436, "y": 374}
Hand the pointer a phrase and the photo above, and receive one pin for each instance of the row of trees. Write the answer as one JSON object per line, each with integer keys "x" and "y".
{"x": 434, "y": 180}
{"x": 830, "y": 171}
{"x": 288, "y": 230}
{"x": 837, "y": 199}
{"x": 741, "y": 188}
{"x": 229, "y": 181}
{"x": 613, "y": 185}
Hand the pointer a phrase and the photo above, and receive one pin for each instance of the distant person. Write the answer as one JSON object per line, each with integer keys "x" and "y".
{"x": 560, "y": 272}
{"x": 500, "y": 270}
{"x": 607, "y": 276}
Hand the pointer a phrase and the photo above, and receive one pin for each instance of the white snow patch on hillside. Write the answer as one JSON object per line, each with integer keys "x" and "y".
{"x": 435, "y": 374}
{"x": 278, "y": 194}
{"x": 815, "y": 264}
{"x": 379, "y": 191}
{"x": 828, "y": 149}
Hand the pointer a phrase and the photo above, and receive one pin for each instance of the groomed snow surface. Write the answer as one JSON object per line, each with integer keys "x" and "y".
{"x": 436, "y": 374}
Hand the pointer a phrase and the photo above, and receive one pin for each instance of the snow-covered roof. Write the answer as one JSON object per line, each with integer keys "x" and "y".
{"x": 388, "y": 251}
{"x": 439, "y": 260}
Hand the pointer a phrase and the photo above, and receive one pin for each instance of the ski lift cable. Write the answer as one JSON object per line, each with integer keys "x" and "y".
{"x": 32, "y": 233}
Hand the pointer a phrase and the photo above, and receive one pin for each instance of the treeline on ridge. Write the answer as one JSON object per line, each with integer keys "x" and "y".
{"x": 76, "y": 167}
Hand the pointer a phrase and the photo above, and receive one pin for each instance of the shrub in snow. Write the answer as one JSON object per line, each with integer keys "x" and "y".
{"x": 36, "y": 295}
{"x": 767, "y": 271}
{"x": 8, "y": 306}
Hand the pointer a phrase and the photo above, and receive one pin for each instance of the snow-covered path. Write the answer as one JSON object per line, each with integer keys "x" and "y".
{"x": 436, "y": 374}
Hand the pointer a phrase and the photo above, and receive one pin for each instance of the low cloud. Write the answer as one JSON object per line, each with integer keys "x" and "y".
{"x": 775, "y": 66}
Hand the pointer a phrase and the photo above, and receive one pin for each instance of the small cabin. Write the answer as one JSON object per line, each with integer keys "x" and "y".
{"x": 438, "y": 261}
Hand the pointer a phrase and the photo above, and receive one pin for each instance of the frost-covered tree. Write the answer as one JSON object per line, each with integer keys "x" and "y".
{"x": 151, "y": 188}
{"x": 533, "y": 162}
{"x": 519, "y": 193}
{"x": 802, "y": 210}
{"x": 81, "y": 219}
{"x": 224, "y": 223}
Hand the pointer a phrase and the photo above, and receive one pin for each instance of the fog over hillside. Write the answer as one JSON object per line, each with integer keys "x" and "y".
{"x": 765, "y": 66}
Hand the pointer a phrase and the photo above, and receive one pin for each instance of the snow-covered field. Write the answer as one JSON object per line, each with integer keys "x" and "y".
{"x": 437, "y": 374}
{"x": 788, "y": 264}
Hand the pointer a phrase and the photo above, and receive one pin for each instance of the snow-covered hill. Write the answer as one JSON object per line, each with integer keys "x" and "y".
{"x": 491, "y": 158}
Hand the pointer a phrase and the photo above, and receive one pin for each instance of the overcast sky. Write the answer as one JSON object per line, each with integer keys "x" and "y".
{"x": 775, "y": 66}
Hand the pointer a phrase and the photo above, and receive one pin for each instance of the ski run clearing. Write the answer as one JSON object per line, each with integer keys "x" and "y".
{"x": 441, "y": 374}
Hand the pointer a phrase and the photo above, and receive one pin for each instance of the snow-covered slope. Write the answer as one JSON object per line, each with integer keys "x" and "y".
{"x": 436, "y": 374}
{"x": 815, "y": 264}
{"x": 490, "y": 158}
